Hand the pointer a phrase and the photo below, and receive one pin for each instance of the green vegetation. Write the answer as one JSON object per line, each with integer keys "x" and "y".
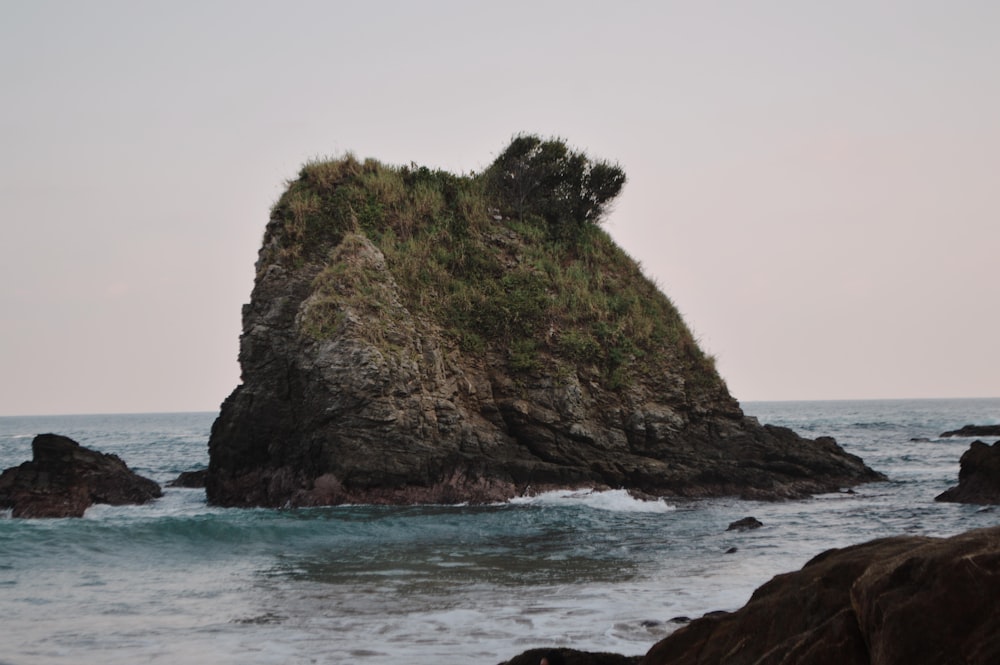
{"x": 514, "y": 266}
{"x": 532, "y": 177}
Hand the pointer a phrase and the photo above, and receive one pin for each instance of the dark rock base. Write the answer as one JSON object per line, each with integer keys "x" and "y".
{"x": 978, "y": 477}
{"x": 63, "y": 479}
{"x": 894, "y": 601}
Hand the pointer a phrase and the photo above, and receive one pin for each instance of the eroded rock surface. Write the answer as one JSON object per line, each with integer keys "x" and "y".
{"x": 357, "y": 387}
{"x": 409, "y": 418}
{"x": 63, "y": 479}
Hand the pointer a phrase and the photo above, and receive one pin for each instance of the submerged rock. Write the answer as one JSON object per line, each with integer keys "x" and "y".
{"x": 570, "y": 657}
{"x": 63, "y": 479}
{"x": 745, "y": 524}
{"x": 978, "y": 476}
{"x": 403, "y": 346}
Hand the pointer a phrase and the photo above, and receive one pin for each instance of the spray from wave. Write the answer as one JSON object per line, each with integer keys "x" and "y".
{"x": 619, "y": 501}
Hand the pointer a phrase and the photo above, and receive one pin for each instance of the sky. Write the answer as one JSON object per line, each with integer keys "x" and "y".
{"x": 815, "y": 185}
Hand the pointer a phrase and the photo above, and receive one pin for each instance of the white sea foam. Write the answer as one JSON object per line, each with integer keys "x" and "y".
{"x": 619, "y": 501}
{"x": 180, "y": 581}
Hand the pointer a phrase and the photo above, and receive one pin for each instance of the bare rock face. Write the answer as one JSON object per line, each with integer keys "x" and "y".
{"x": 978, "y": 476}
{"x": 894, "y": 601}
{"x": 905, "y": 600}
{"x": 63, "y": 479}
{"x": 360, "y": 383}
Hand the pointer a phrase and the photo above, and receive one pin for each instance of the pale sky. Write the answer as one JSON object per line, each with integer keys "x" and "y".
{"x": 816, "y": 185}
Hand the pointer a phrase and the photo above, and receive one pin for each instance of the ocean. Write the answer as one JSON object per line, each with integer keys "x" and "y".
{"x": 178, "y": 581}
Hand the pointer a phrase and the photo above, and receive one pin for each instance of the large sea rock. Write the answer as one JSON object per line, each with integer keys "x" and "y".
{"x": 978, "y": 476}
{"x": 403, "y": 343}
{"x": 905, "y": 600}
{"x": 64, "y": 478}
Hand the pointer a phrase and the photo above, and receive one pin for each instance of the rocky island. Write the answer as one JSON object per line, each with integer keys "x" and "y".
{"x": 419, "y": 336}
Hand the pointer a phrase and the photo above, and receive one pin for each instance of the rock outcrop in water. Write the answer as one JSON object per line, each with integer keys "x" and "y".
{"x": 905, "y": 600}
{"x": 978, "y": 476}
{"x": 190, "y": 479}
{"x": 416, "y": 336}
{"x": 571, "y": 657}
{"x": 973, "y": 430}
{"x": 63, "y": 479}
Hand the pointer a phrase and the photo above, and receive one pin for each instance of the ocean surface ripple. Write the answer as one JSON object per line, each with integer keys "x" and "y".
{"x": 181, "y": 581}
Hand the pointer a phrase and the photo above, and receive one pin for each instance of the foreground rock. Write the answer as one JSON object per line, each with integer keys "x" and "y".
{"x": 978, "y": 476}
{"x": 458, "y": 366}
{"x": 973, "y": 430}
{"x": 63, "y": 479}
{"x": 894, "y": 601}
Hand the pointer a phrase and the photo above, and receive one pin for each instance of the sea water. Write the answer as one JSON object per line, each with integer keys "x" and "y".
{"x": 179, "y": 581}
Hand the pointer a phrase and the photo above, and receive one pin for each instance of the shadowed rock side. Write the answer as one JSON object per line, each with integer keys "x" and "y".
{"x": 190, "y": 479}
{"x": 63, "y": 479}
{"x": 978, "y": 476}
{"x": 895, "y": 601}
{"x": 363, "y": 382}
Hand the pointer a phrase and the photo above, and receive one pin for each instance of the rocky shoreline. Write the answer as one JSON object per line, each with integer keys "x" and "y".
{"x": 904, "y": 600}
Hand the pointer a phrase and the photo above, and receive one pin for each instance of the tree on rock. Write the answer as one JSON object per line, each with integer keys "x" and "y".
{"x": 546, "y": 179}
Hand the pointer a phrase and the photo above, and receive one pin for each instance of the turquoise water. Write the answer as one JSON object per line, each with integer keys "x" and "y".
{"x": 182, "y": 582}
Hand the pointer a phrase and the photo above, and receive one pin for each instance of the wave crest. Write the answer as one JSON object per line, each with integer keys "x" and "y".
{"x": 619, "y": 501}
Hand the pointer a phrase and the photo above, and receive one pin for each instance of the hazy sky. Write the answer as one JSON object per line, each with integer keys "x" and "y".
{"x": 816, "y": 185}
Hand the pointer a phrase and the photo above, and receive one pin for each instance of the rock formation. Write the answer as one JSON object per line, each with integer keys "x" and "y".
{"x": 190, "y": 479}
{"x": 63, "y": 479}
{"x": 745, "y": 524}
{"x": 410, "y": 339}
{"x": 905, "y": 600}
{"x": 978, "y": 476}
{"x": 571, "y": 657}
{"x": 973, "y": 430}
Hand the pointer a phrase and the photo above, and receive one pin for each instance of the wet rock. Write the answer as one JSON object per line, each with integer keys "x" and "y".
{"x": 190, "y": 479}
{"x": 978, "y": 476}
{"x": 745, "y": 524}
{"x": 894, "y": 601}
{"x": 63, "y": 479}
{"x": 570, "y": 657}
{"x": 973, "y": 430}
